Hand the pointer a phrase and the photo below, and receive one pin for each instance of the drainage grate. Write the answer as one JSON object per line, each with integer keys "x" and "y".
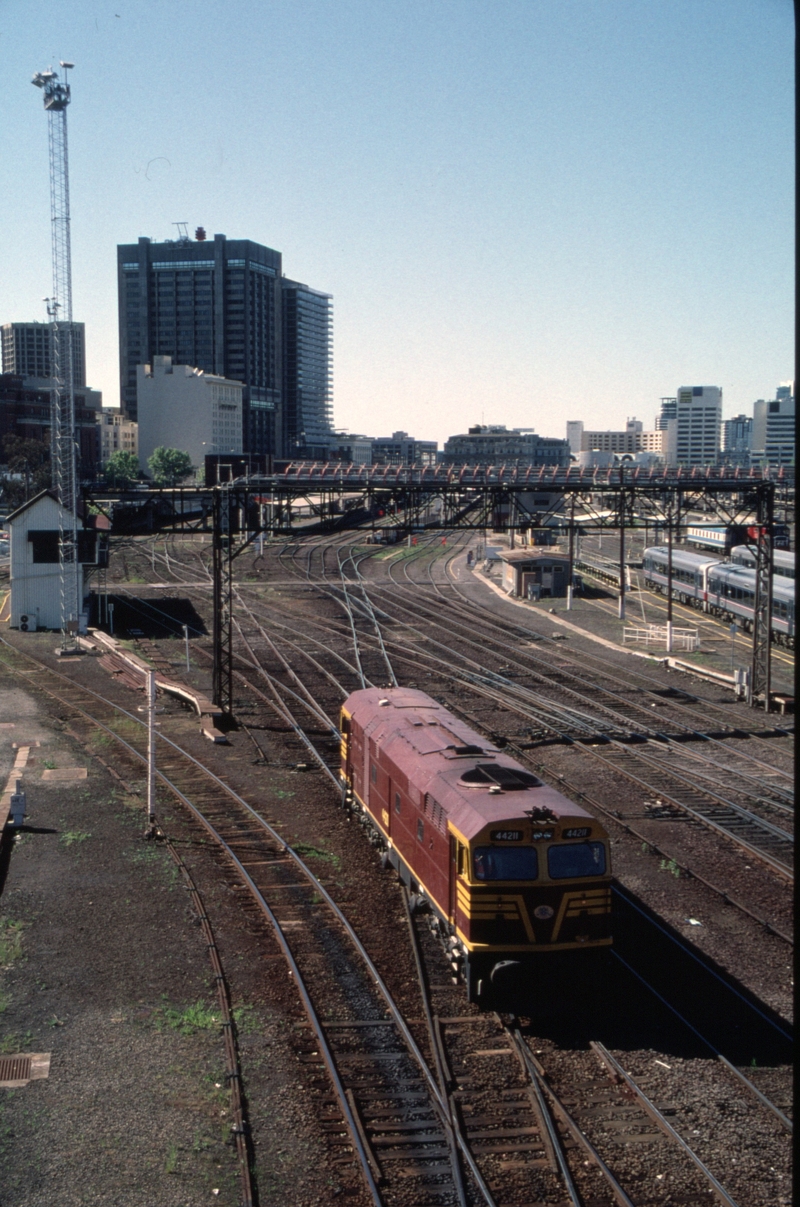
{"x": 15, "y": 1068}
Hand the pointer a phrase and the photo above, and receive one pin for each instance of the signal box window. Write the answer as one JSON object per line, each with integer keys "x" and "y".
{"x": 576, "y": 859}
{"x": 505, "y": 863}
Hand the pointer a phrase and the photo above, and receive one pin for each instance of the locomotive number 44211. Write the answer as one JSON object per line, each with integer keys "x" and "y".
{"x": 577, "y": 832}
{"x": 506, "y": 835}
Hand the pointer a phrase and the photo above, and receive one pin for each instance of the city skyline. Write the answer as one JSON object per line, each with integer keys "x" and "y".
{"x": 525, "y": 213}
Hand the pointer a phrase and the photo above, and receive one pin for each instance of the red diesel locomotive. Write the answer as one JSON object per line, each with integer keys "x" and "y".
{"x": 511, "y": 869}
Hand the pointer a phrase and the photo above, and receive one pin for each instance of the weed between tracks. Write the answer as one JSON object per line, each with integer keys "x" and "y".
{"x": 10, "y": 941}
{"x": 306, "y": 851}
{"x": 72, "y": 836}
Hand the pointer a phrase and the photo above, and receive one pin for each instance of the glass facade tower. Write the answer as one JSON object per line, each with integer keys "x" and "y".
{"x": 215, "y": 306}
{"x": 307, "y": 371}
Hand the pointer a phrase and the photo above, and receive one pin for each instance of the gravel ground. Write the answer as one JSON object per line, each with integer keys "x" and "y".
{"x": 131, "y": 1112}
{"x": 113, "y": 979}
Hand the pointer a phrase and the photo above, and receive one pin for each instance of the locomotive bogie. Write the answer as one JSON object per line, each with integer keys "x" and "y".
{"x": 509, "y": 868}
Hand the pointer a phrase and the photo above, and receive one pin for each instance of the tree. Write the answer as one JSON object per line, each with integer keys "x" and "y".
{"x": 169, "y": 465}
{"x": 121, "y": 469}
{"x": 27, "y": 469}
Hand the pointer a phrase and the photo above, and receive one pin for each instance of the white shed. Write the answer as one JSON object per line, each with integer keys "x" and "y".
{"x": 35, "y": 593}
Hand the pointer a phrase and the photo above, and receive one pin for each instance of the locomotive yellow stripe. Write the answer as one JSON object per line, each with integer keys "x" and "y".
{"x": 582, "y": 902}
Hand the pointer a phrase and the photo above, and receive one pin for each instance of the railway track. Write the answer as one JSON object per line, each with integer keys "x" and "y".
{"x": 556, "y": 1135}
{"x": 409, "y": 1132}
{"x": 390, "y": 1115}
{"x": 697, "y": 798}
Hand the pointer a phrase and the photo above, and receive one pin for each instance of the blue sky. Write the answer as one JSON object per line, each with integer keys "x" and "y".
{"x": 527, "y": 211}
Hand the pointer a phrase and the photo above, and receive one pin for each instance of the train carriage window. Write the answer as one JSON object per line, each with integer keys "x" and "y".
{"x": 397, "y": 802}
{"x": 576, "y": 859}
{"x": 505, "y": 863}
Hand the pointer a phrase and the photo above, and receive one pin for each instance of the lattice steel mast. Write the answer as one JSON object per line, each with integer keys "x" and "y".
{"x": 59, "y": 308}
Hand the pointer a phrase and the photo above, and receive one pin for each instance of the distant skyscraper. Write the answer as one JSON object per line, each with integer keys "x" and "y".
{"x": 773, "y": 427}
{"x": 669, "y": 409}
{"x": 224, "y": 307}
{"x": 737, "y": 435}
{"x": 307, "y": 370}
{"x": 213, "y": 305}
{"x": 28, "y": 351}
{"x": 574, "y": 434}
{"x": 693, "y": 435}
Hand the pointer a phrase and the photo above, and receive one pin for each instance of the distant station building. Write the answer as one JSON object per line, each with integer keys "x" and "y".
{"x": 402, "y": 449}
{"x": 539, "y": 573}
{"x": 495, "y": 444}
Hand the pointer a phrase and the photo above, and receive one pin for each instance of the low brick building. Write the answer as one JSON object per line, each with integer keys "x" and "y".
{"x": 540, "y": 573}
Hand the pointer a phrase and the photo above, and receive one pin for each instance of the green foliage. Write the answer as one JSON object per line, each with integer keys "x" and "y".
{"x": 10, "y": 941}
{"x": 171, "y": 1163}
{"x": 70, "y": 836}
{"x": 306, "y": 851}
{"x": 168, "y": 466}
{"x": 198, "y": 1017}
{"x": 671, "y": 867}
{"x": 26, "y": 470}
{"x": 121, "y": 469}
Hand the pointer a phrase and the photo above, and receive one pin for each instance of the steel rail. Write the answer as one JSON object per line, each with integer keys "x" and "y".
{"x": 579, "y": 795}
{"x": 508, "y": 700}
{"x": 471, "y": 606}
{"x": 616, "y": 1069}
{"x": 787, "y": 1123}
{"x": 536, "y": 1074}
{"x": 441, "y": 1076}
{"x": 439, "y": 1101}
{"x": 631, "y": 707}
{"x": 688, "y": 951}
{"x": 373, "y": 617}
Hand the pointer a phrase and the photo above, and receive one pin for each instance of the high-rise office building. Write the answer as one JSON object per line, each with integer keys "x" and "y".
{"x": 28, "y": 351}
{"x": 213, "y": 305}
{"x": 307, "y": 371}
{"x": 737, "y": 437}
{"x": 669, "y": 410}
{"x": 693, "y": 435}
{"x": 223, "y": 306}
{"x": 773, "y": 427}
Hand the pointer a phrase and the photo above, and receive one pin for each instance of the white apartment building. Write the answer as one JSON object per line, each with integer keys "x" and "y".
{"x": 183, "y": 407}
{"x": 773, "y": 438}
{"x": 574, "y": 434}
{"x": 117, "y": 434}
{"x": 693, "y": 436}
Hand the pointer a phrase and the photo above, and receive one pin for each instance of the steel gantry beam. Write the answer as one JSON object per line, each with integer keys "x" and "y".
{"x": 313, "y": 500}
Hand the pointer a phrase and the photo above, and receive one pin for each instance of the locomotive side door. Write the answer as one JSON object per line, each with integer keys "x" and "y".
{"x": 453, "y": 876}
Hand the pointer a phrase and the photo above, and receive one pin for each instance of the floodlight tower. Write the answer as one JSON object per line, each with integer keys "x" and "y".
{"x": 59, "y": 309}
